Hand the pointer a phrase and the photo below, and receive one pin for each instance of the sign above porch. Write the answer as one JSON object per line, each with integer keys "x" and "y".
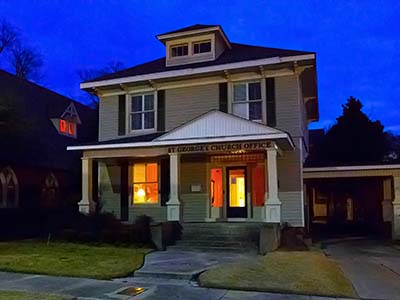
{"x": 227, "y": 147}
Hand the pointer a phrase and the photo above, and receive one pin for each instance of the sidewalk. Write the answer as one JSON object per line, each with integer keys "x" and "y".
{"x": 154, "y": 289}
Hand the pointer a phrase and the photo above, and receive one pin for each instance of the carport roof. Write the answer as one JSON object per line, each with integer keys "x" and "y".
{"x": 352, "y": 171}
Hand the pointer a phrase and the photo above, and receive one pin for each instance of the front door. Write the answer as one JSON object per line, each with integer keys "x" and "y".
{"x": 236, "y": 187}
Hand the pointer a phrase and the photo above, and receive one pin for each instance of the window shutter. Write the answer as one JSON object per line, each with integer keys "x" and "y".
{"x": 121, "y": 115}
{"x": 223, "y": 97}
{"x": 165, "y": 182}
{"x": 124, "y": 192}
{"x": 161, "y": 110}
{"x": 271, "y": 110}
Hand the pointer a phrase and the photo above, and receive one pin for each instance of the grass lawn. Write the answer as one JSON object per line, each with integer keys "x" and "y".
{"x": 299, "y": 272}
{"x": 16, "y": 295}
{"x": 70, "y": 259}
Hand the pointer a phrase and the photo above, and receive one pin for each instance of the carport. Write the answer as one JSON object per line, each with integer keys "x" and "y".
{"x": 353, "y": 200}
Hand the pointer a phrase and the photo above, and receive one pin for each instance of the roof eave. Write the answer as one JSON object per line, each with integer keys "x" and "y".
{"x": 194, "y": 71}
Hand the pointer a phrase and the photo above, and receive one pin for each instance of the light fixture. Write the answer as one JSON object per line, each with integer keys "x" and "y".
{"x": 141, "y": 193}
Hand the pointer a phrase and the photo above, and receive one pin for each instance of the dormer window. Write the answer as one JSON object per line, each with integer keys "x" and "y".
{"x": 179, "y": 50}
{"x": 202, "y": 47}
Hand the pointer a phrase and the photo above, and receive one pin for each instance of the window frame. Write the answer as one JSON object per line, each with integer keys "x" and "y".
{"x": 130, "y": 113}
{"x": 232, "y": 101}
{"x": 132, "y": 183}
{"x": 171, "y": 56}
{"x": 200, "y": 42}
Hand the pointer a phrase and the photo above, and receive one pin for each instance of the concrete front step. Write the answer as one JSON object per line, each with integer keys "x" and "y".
{"x": 251, "y": 250}
{"x": 238, "y": 237}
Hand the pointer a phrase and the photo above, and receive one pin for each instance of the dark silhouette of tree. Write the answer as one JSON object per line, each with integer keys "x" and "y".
{"x": 26, "y": 61}
{"x": 90, "y": 74}
{"x": 8, "y": 35}
{"x": 354, "y": 139}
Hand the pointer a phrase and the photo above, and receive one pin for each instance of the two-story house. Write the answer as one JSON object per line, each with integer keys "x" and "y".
{"x": 215, "y": 131}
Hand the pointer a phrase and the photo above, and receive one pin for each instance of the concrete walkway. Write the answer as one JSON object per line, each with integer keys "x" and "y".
{"x": 372, "y": 266}
{"x": 185, "y": 264}
{"x": 154, "y": 289}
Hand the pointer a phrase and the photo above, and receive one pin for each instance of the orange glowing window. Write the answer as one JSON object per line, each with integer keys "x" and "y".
{"x": 258, "y": 184}
{"x": 71, "y": 128}
{"x": 63, "y": 126}
{"x": 216, "y": 192}
{"x": 145, "y": 183}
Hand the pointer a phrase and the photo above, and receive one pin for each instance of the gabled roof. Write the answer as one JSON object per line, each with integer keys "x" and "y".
{"x": 238, "y": 53}
{"x": 189, "y": 28}
{"x": 216, "y": 124}
{"x": 37, "y": 143}
{"x": 212, "y": 127}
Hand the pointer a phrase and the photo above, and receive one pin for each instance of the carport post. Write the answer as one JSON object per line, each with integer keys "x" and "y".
{"x": 396, "y": 208}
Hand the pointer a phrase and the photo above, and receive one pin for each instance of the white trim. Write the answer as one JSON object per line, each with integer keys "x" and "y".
{"x": 351, "y": 168}
{"x": 193, "y": 71}
{"x": 239, "y": 138}
{"x": 162, "y": 37}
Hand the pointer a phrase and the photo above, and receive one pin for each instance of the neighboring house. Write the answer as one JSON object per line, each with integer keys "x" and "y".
{"x": 215, "y": 131}
{"x": 351, "y": 199}
{"x": 36, "y": 126}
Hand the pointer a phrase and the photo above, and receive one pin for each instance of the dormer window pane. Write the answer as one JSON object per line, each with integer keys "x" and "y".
{"x": 179, "y": 50}
{"x": 202, "y": 47}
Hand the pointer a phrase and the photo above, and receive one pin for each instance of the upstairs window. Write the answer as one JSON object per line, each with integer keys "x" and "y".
{"x": 247, "y": 101}
{"x": 142, "y": 112}
{"x": 179, "y": 50}
{"x": 201, "y": 47}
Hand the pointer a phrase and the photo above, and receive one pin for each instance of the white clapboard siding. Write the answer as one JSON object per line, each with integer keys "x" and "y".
{"x": 217, "y": 124}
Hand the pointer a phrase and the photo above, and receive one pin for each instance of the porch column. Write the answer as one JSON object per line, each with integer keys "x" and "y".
{"x": 396, "y": 209}
{"x": 173, "y": 205}
{"x": 272, "y": 204}
{"x": 86, "y": 204}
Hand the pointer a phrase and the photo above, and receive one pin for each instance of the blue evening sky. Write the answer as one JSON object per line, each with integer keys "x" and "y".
{"x": 357, "y": 42}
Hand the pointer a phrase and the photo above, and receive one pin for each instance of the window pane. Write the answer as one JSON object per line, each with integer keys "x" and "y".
{"x": 152, "y": 193}
{"x": 205, "y": 47}
{"x": 196, "y": 48}
{"x": 255, "y": 111}
{"x": 185, "y": 50}
{"x": 136, "y": 103}
{"x": 254, "y": 91}
{"x": 148, "y": 120}
{"x": 240, "y": 109}
{"x": 137, "y": 121}
{"x": 174, "y": 52}
{"x": 239, "y": 91}
{"x": 148, "y": 102}
{"x": 139, "y": 173}
{"x": 139, "y": 193}
{"x": 152, "y": 170}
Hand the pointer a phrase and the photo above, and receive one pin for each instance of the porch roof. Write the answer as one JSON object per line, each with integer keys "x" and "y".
{"x": 212, "y": 127}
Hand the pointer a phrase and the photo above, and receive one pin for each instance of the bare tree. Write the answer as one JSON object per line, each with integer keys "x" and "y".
{"x": 90, "y": 74}
{"x": 8, "y": 35}
{"x": 26, "y": 61}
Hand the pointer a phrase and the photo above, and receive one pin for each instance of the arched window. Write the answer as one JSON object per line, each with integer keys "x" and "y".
{"x": 10, "y": 188}
{"x": 2, "y": 190}
{"x": 50, "y": 190}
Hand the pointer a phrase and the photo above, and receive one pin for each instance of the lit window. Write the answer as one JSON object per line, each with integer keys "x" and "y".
{"x": 145, "y": 183}
{"x": 142, "y": 112}
{"x": 67, "y": 128}
{"x": 216, "y": 191}
{"x": 201, "y": 47}
{"x": 179, "y": 50}
{"x": 63, "y": 126}
{"x": 247, "y": 101}
{"x": 71, "y": 129}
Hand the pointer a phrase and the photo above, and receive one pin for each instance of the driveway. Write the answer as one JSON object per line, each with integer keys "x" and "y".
{"x": 372, "y": 266}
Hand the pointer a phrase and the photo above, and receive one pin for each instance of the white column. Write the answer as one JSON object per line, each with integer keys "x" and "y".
{"x": 173, "y": 205}
{"x": 86, "y": 204}
{"x": 272, "y": 204}
{"x": 396, "y": 209}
